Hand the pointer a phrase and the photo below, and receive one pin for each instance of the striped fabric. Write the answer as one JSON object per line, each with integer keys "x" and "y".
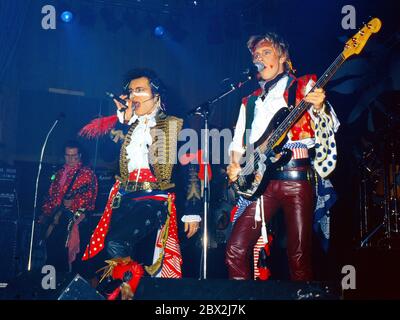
{"x": 256, "y": 252}
{"x": 172, "y": 262}
{"x": 299, "y": 150}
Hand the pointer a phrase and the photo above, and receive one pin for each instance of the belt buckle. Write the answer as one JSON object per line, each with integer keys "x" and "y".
{"x": 116, "y": 202}
{"x": 146, "y": 185}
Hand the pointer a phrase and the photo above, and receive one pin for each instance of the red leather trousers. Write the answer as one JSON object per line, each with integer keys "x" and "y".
{"x": 296, "y": 200}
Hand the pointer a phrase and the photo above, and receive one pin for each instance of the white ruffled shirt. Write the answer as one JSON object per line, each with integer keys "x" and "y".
{"x": 141, "y": 140}
{"x": 138, "y": 148}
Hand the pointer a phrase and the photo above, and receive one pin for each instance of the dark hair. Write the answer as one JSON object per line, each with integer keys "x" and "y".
{"x": 156, "y": 85}
{"x": 73, "y": 144}
{"x": 278, "y": 42}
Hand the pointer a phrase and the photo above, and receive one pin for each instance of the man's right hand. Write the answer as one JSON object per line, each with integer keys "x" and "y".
{"x": 128, "y": 112}
{"x": 233, "y": 171}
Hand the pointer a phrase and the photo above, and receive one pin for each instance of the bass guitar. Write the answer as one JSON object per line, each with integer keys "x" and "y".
{"x": 269, "y": 153}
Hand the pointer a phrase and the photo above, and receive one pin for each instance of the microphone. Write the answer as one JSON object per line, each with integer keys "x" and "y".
{"x": 252, "y": 70}
{"x": 123, "y": 102}
{"x": 260, "y": 66}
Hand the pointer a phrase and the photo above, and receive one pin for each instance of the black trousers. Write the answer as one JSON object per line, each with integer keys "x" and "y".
{"x": 133, "y": 229}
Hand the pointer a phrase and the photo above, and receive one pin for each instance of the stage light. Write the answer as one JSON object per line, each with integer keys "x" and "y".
{"x": 159, "y": 31}
{"x": 66, "y": 16}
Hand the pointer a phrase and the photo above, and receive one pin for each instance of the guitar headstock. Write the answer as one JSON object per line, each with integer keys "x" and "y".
{"x": 358, "y": 41}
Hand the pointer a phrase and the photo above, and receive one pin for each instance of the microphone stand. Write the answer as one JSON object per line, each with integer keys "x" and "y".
{"x": 203, "y": 111}
{"x": 36, "y": 191}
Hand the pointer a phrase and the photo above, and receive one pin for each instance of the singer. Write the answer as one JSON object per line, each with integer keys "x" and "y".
{"x": 290, "y": 188}
{"x": 140, "y": 211}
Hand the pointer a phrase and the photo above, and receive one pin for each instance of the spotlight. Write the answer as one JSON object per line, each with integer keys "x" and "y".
{"x": 159, "y": 31}
{"x": 66, "y": 16}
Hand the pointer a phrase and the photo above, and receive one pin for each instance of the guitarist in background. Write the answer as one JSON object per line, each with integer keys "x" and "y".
{"x": 291, "y": 186}
{"x": 71, "y": 195}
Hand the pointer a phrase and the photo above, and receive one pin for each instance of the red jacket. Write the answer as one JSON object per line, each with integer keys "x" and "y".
{"x": 84, "y": 190}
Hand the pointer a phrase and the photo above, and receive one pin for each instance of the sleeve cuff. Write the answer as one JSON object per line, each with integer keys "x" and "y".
{"x": 191, "y": 218}
{"x": 120, "y": 116}
{"x": 236, "y": 148}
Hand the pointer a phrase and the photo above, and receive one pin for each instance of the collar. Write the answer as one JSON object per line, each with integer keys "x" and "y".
{"x": 72, "y": 168}
{"x": 146, "y": 118}
{"x": 268, "y": 85}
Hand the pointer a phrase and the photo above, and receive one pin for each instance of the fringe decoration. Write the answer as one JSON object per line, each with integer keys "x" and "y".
{"x": 153, "y": 269}
{"x": 98, "y": 127}
{"x": 124, "y": 269}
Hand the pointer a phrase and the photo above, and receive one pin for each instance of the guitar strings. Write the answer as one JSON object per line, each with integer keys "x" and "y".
{"x": 291, "y": 117}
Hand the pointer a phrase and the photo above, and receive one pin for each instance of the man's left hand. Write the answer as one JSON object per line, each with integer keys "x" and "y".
{"x": 191, "y": 228}
{"x": 316, "y": 98}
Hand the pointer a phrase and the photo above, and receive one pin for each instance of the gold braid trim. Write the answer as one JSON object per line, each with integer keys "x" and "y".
{"x": 112, "y": 263}
{"x": 123, "y": 157}
{"x": 164, "y": 150}
{"x": 153, "y": 269}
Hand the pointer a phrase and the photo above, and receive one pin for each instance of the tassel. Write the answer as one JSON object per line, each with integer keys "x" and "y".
{"x": 151, "y": 270}
{"x": 290, "y": 65}
{"x": 257, "y": 215}
{"x": 98, "y": 127}
{"x": 264, "y": 233}
{"x": 263, "y": 227}
{"x": 126, "y": 291}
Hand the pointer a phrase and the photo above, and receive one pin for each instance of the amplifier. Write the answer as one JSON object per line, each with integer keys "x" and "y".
{"x": 8, "y": 194}
{"x": 8, "y": 249}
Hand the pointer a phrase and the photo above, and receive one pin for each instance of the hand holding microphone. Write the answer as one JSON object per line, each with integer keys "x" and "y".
{"x": 122, "y": 102}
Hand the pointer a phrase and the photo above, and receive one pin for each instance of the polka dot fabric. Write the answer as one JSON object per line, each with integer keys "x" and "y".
{"x": 325, "y": 146}
{"x": 97, "y": 239}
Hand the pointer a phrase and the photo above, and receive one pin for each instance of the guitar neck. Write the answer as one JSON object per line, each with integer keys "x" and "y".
{"x": 297, "y": 112}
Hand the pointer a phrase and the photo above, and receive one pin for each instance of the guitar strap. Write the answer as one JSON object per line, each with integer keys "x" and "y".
{"x": 292, "y": 93}
{"x": 251, "y": 103}
{"x": 71, "y": 184}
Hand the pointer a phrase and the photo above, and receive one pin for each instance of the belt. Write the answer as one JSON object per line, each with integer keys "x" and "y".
{"x": 132, "y": 186}
{"x": 116, "y": 203}
{"x": 293, "y": 175}
{"x": 295, "y": 163}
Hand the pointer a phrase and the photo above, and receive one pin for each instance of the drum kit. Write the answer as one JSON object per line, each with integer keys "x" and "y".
{"x": 379, "y": 187}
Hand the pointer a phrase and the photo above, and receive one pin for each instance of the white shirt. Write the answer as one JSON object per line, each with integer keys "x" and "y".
{"x": 264, "y": 111}
{"x": 138, "y": 148}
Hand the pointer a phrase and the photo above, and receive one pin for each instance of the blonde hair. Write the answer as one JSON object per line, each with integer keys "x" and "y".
{"x": 277, "y": 42}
